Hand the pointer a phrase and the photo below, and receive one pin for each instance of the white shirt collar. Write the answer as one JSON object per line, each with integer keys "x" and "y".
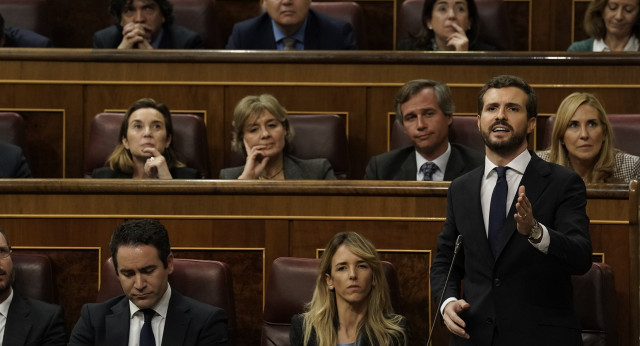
{"x": 441, "y": 161}
{"x": 4, "y": 306}
{"x": 632, "y": 45}
{"x": 160, "y": 308}
{"x": 519, "y": 164}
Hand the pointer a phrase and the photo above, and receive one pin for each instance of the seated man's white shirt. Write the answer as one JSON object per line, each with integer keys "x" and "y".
{"x": 441, "y": 161}
{"x": 157, "y": 323}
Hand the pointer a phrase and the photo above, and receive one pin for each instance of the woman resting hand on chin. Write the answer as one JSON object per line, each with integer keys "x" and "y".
{"x": 145, "y": 150}
{"x": 261, "y": 131}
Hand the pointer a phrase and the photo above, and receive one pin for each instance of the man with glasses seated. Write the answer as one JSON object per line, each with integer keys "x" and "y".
{"x": 145, "y": 24}
{"x": 23, "y": 320}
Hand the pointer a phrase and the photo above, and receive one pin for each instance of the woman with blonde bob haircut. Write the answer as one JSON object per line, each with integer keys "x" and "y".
{"x": 351, "y": 303}
{"x": 262, "y": 132}
{"x": 582, "y": 139}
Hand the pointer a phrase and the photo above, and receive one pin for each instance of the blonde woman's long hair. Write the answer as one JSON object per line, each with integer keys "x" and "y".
{"x": 602, "y": 171}
{"x": 380, "y": 324}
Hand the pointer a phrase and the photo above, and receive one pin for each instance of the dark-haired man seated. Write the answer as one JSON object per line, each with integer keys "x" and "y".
{"x": 145, "y": 24}
{"x": 150, "y": 312}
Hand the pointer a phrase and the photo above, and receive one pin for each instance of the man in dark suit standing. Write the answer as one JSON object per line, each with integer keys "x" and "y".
{"x": 23, "y": 320}
{"x": 150, "y": 312}
{"x": 525, "y": 232}
{"x": 424, "y": 108}
{"x": 145, "y": 24}
{"x": 291, "y": 25}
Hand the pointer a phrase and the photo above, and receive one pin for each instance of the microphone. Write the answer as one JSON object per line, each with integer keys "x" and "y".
{"x": 446, "y": 281}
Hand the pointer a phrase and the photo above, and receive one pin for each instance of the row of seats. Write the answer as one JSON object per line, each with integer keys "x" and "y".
{"x": 201, "y": 16}
{"x": 317, "y": 136}
{"x": 211, "y": 282}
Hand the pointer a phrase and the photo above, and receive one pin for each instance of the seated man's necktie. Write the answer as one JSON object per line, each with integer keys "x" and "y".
{"x": 427, "y": 170}
{"x": 146, "y": 333}
{"x": 289, "y": 43}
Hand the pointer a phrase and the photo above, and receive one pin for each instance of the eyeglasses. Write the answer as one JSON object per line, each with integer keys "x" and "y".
{"x": 4, "y": 252}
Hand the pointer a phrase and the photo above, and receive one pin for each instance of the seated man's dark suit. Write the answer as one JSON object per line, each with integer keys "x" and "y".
{"x": 173, "y": 37}
{"x": 400, "y": 164}
{"x": 188, "y": 322}
{"x": 12, "y": 162}
{"x": 322, "y": 32}
{"x": 33, "y": 322}
{"x": 523, "y": 296}
{"x": 16, "y": 37}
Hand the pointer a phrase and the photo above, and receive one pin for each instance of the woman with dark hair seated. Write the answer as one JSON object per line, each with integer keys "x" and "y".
{"x": 351, "y": 303}
{"x": 447, "y": 25}
{"x": 261, "y": 131}
{"x": 146, "y": 148}
{"x": 582, "y": 139}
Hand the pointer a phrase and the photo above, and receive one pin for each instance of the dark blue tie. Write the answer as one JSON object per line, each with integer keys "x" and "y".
{"x": 498, "y": 210}
{"x": 427, "y": 169}
{"x": 146, "y": 333}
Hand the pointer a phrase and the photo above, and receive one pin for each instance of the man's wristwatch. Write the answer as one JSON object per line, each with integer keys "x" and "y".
{"x": 535, "y": 235}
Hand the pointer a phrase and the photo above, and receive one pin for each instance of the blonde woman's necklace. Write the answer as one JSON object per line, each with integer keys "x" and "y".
{"x": 271, "y": 177}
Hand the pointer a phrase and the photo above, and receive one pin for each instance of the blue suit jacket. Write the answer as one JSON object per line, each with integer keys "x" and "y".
{"x": 173, "y": 37}
{"x": 188, "y": 323}
{"x": 322, "y": 33}
{"x": 16, "y": 37}
{"x": 34, "y": 323}
{"x": 522, "y": 297}
{"x": 400, "y": 164}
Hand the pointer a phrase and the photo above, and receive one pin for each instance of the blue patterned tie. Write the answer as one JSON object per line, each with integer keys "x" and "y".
{"x": 146, "y": 333}
{"x": 498, "y": 210}
{"x": 427, "y": 169}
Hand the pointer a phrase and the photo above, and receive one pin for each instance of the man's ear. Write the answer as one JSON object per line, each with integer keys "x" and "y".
{"x": 170, "y": 263}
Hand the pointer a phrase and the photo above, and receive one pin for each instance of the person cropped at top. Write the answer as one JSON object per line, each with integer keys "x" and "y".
{"x": 12, "y": 162}
{"x": 262, "y": 132}
{"x": 146, "y": 146}
{"x": 351, "y": 304}
{"x": 292, "y": 25}
{"x": 613, "y": 25}
{"x": 447, "y": 25}
{"x": 582, "y": 139}
{"x": 145, "y": 24}
{"x": 11, "y": 36}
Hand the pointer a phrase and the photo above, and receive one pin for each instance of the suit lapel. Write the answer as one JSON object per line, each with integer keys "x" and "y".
{"x": 291, "y": 169}
{"x": 177, "y": 323}
{"x": 408, "y": 170}
{"x": 18, "y": 321}
{"x": 454, "y": 166}
{"x": 117, "y": 323}
{"x": 535, "y": 182}
{"x": 473, "y": 204}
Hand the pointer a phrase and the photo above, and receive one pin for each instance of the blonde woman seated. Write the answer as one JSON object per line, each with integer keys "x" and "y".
{"x": 582, "y": 139}
{"x": 145, "y": 150}
{"x": 351, "y": 303}
{"x": 261, "y": 131}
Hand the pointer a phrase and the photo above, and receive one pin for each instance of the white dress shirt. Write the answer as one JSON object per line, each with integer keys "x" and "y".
{"x": 440, "y": 161}
{"x": 4, "y": 312}
{"x": 157, "y": 323}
